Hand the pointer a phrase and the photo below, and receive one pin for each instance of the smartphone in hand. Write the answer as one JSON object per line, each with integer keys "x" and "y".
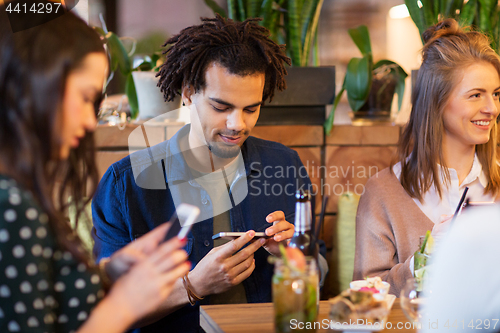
{"x": 181, "y": 221}
{"x": 234, "y": 235}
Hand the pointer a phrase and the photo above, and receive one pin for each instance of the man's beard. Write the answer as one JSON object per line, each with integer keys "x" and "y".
{"x": 223, "y": 150}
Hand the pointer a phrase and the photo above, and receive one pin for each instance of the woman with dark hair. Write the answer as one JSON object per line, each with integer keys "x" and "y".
{"x": 449, "y": 144}
{"x": 51, "y": 79}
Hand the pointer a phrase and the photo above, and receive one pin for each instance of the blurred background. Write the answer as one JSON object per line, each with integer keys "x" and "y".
{"x": 394, "y": 36}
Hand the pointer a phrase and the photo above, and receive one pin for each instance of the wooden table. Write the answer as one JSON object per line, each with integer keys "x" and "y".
{"x": 259, "y": 317}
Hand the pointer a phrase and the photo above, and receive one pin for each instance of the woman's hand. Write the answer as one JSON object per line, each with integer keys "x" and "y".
{"x": 441, "y": 228}
{"x": 148, "y": 282}
{"x": 122, "y": 260}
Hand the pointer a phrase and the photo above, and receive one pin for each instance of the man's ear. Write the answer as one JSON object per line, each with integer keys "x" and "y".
{"x": 187, "y": 92}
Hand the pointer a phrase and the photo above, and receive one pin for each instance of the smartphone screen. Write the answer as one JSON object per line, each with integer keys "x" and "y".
{"x": 186, "y": 215}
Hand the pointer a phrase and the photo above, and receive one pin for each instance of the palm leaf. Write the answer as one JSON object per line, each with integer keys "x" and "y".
{"x": 231, "y": 9}
{"x": 429, "y": 17}
{"x": 417, "y": 15}
{"x": 267, "y": 14}
{"x": 241, "y": 11}
{"x": 312, "y": 33}
{"x": 468, "y": 12}
{"x": 294, "y": 39}
{"x": 253, "y": 7}
{"x": 485, "y": 7}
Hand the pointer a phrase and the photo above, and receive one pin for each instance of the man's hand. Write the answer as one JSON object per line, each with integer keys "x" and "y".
{"x": 281, "y": 231}
{"x": 224, "y": 267}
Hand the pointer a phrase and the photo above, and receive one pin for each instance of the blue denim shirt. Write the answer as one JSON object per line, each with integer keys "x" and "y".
{"x": 122, "y": 210}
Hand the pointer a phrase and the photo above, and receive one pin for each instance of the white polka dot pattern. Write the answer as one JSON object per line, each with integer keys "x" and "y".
{"x": 32, "y": 322}
{"x": 46, "y": 288}
{"x": 11, "y": 272}
{"x": 73, "y": 302}
{"x": 31, "y": 269}
{"x": 25, "y": 233}
{"x": 18, "y": 251}
{"x": 31, "y": 214}
{"x": 10, "y": 215}
{"x": 4, "y": 291}
{"x": 4, "y": 236}
{"x": 13, "y": 326}
{"x": 15, "y": 199}
{"x": 25, "y": 287}
{"x": 38, "y": 304}
{"x": 43, "y": 287}
{"x": 79, "y": 284}
{"x": 19, "y": 307}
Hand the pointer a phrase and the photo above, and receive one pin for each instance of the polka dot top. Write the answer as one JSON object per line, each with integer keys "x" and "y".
{"x": 42, "y": 287}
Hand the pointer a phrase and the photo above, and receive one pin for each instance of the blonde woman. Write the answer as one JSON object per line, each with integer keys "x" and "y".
{"x": 449, "y": 143}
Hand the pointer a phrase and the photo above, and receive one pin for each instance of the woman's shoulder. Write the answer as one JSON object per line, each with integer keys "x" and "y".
{"x": 385, "y": 178}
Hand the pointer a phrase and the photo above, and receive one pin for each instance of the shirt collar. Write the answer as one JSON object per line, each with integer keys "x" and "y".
{"x": 476, "y": 172}
{"x": 179, "y": 171}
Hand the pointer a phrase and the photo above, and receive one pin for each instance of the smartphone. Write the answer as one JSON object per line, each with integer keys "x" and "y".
{"x": 185, "y": 214}
{"x": 234, "y": 234}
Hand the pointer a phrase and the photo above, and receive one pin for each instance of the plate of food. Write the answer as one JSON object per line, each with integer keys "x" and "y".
{"x": 362, "y": 308}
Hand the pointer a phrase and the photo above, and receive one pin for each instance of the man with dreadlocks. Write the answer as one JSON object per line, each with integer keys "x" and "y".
{"x": 224, "y": 71}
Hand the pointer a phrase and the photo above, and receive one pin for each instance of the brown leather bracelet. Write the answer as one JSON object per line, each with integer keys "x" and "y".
{"x": 192, "y": 297}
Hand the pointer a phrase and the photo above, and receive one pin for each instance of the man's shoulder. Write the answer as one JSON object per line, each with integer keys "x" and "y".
{"x": 140, "y": 159}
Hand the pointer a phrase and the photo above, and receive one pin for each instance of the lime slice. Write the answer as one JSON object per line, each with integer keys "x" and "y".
{"x": 429, "y": 246}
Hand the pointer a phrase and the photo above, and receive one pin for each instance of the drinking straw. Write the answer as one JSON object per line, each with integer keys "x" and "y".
{"x": 460, "y": 205}
{"x": 321, "y": 218}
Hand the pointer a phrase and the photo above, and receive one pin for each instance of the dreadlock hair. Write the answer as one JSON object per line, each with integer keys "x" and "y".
{"x": 243, "y": 48}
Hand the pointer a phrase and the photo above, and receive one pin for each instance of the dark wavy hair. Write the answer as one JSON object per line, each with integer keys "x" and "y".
{"x": 243, "y": 48}
{"x": 448, "y": 49}
{"x": 34, "y": 66}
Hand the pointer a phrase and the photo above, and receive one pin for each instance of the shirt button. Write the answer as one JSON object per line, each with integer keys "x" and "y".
{"x": 204, "y": 201}
{"x": 206, "y": 242}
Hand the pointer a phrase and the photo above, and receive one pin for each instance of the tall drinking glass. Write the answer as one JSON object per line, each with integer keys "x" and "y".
{"x": 295, "y": 297}
{"x": 411, "y": 301}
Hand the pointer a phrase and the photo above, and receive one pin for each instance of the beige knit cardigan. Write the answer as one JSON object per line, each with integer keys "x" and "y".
{"x": 388, "y": 227}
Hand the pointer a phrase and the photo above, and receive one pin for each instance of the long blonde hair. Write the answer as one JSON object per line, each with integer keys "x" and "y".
{"x": 448, "y": 49}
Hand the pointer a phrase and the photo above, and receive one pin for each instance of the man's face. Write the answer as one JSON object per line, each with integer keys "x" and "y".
{"x": 227, "y": 109}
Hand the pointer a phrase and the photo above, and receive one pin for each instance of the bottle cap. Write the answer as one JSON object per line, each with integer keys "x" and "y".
{"x": 302, "y": 196}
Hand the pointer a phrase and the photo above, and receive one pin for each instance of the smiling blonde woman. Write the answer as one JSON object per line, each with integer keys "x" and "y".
{"x": 449, "y": 144}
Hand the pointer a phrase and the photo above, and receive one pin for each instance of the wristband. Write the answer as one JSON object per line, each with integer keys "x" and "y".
{"x": 193, "y": 298}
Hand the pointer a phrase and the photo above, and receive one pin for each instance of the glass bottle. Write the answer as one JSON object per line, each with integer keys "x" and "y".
{"x": 302, "y": 237}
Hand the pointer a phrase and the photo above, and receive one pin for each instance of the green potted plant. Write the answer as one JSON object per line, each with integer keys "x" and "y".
{"x": 144, "y": 98}
{"x": 370, "y": 86}
{"x": 295, "y": 24}
{"x": 481, "y": 15}
{"x": 299, "y": 17}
